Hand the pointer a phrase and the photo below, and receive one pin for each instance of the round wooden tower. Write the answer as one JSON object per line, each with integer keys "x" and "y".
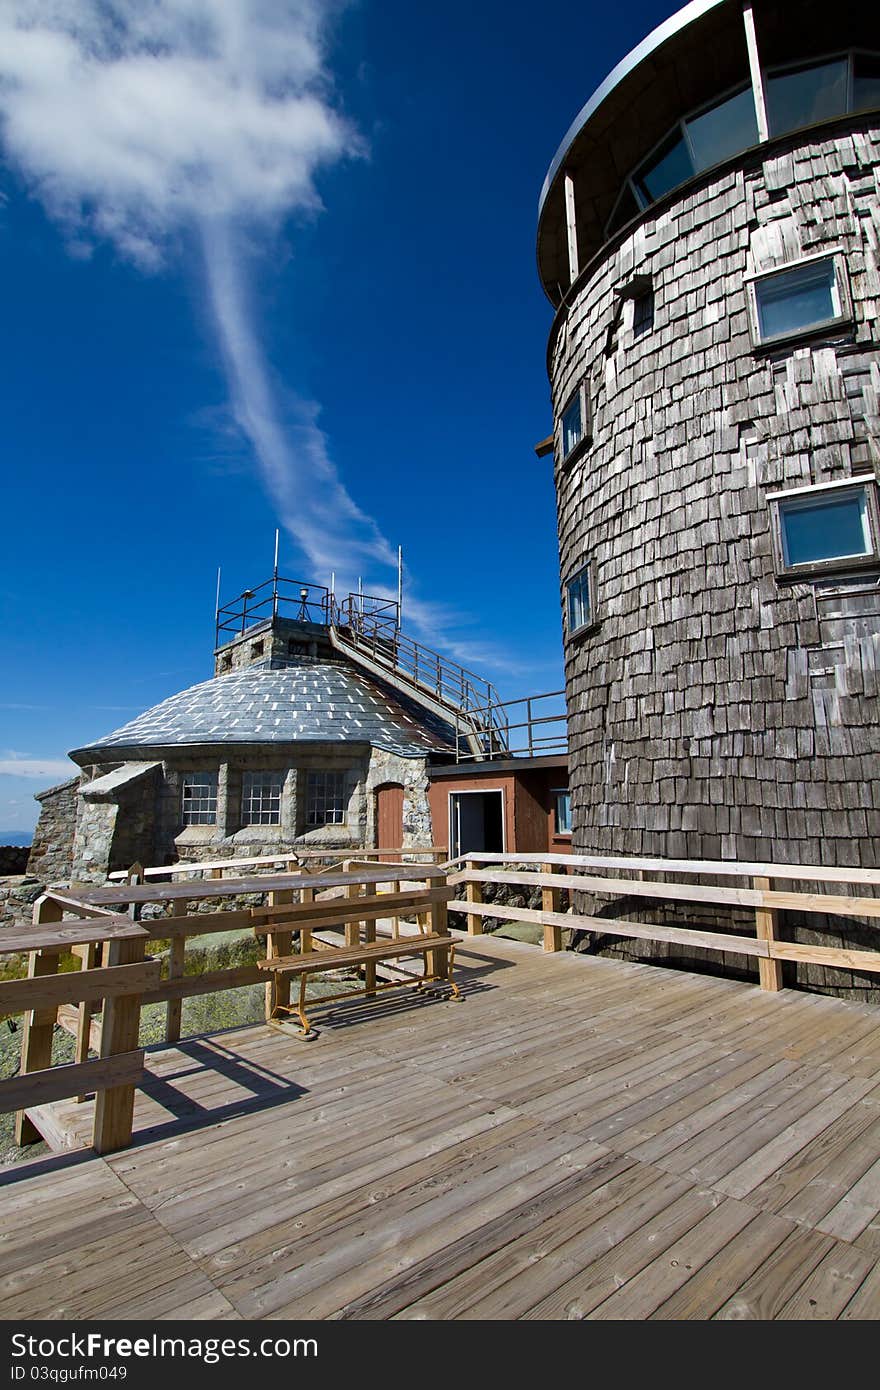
{"x": 709, "y": 237}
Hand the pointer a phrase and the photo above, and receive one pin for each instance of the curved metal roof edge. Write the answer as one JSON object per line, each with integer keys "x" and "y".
{"x": 663, "y": 32}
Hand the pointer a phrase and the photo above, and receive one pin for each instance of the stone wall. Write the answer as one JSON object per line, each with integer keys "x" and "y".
{"x": 51, "y": 856}
{"x": 18, "y": 893}
{"x": 13, "y": 859}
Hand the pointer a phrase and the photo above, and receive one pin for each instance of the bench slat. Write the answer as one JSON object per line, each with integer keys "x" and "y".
{"x": 337, "y": 957}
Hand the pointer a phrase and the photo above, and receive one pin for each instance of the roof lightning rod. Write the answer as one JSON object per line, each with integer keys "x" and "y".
{"x": 399, "y": 587}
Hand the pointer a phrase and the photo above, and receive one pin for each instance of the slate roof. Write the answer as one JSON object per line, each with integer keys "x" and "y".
{"x": 316, "y": 702}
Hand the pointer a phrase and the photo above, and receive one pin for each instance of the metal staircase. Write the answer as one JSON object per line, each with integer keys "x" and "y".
{"x": 365, "y": 631}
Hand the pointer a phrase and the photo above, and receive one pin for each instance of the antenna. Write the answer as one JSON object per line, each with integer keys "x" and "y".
{"x": 275, "y": 579}
{"x": 217, "y": 610}
{"x": 361, "y": 595}
{"x": 399, "y": 587}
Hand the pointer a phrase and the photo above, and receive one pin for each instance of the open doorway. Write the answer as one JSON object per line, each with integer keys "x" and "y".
{"x": 476, "y": 822}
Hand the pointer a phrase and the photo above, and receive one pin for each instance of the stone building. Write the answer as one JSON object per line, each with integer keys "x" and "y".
{"x": 323, "y": 727}
{"x": 709, "y": 237}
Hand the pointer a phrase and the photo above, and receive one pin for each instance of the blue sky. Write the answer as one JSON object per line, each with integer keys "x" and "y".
{"x": 347, "y": 343}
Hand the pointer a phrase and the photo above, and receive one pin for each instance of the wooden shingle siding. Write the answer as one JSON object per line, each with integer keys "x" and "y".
{"x": 717, "y": 711}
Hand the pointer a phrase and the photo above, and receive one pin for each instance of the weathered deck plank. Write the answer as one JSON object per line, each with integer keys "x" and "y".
{"x": 581, "y": 1138}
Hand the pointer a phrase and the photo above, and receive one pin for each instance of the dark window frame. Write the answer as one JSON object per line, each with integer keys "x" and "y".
{"x": 838, "y": 564}
{"x": 556, "y": 793}
{"x": 250, "y": 779}
{"x": 582, "y": 394}
{"x": 592, "y": 619}
{"x": 204, "y": 815}
{"x": 318, "y": 798}
{"x": 837, "y": 323}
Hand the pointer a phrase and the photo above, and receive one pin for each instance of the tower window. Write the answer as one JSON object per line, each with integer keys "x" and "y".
{"x": 643, "y": 314}
{"x": 199, "y": 798}
{"x": 579, "y": 601}
{"x": 828, "y": 527}
{"x": 804, "y": 298}
{"x": 805, "y": 95}
{"x": 574, "y": 423}
{"x": 326, "y": 802}
{"x": 261, "y": 798}
{"x": 257, "y": 649}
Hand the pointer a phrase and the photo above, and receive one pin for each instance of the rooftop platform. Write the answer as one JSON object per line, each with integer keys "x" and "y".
{"x": 579, "y": 1138}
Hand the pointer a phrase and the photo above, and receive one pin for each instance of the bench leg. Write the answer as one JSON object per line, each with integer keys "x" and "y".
{"x": 301, "y": 1009}
{"x": 456, "y": 992}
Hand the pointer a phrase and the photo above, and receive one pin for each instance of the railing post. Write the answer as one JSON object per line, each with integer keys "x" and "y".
{"x": 176, "y": 969}
{"x": 278, "y": 943}
{"x": 474, "y": 894}
{"x": 438, "y": 961}
{"x": 87, "y": 955}
{"x": 550, "y": 902}
{"x": 766, "y": 923}
{"x": 39, "y": 1024}
{"x": 114, "y": 1109}
{"x": 352, "y": 929}
{"x": 306, "y": 895}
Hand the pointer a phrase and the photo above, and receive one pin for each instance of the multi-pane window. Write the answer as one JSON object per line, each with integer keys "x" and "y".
{"x": 579, "y": 602}
{"x": 326, "y": 802}
{"x": 199, "y": 798}
{"x": 801, "y": 299}
{"x": 820, "y": 528}
{"x": 562, "y": 811}
{"x": 261, "y": 798}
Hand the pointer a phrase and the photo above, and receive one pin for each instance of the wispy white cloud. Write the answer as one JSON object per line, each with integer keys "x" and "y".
{"x": 149, "y": 124}
{"x": 139, "y": 123}
{"x": 44, "y": 768}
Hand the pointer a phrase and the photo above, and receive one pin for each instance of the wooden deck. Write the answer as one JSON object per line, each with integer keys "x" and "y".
{"x": 579, "y": 1138}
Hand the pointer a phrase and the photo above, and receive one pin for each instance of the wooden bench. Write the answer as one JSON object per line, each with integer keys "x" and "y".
{"x": 438, "y": 951}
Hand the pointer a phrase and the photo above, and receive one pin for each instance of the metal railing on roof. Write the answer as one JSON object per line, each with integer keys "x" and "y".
{"x": 532, "y": 727}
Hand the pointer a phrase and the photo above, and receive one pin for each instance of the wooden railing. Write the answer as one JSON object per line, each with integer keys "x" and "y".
{"x": 117, "y": 975}
{"x": 431, "y": 854}
{"x": 554, "y": 872}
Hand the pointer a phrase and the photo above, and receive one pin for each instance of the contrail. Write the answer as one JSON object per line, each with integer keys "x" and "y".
{"x": 310, "y": 499}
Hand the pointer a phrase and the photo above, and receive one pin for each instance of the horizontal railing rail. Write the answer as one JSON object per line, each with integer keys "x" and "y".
{"x": 531, "y": 729}
{"x": 434, "y": 854}
{"x": 553, "y": 873}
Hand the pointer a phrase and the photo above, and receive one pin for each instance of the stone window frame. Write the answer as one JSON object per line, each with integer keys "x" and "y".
{"x": 593, "y": 618}
{"x": 844, "y": 319}
{"x": 582, "y": 392}
{"x": 840, "y": 565}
